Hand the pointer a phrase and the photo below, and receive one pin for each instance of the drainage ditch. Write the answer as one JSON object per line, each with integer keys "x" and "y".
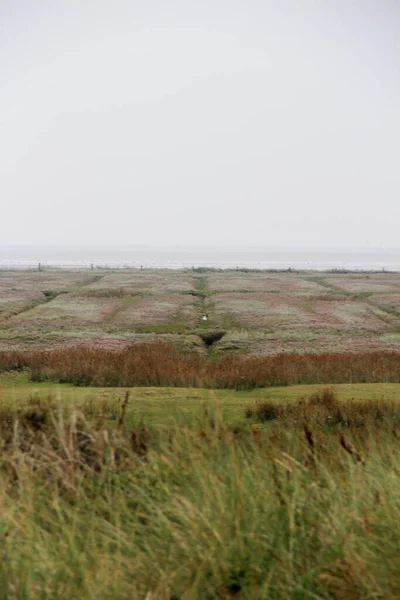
{"x": 210, "y": 337}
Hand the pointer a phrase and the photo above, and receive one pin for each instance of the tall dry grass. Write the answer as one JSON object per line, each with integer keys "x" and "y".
{"x": 160, "y": 364}
{"x": 114, "y": 510}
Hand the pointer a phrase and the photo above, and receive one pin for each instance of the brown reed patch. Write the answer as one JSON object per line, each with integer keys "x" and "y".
{"x": 160, "y": 364}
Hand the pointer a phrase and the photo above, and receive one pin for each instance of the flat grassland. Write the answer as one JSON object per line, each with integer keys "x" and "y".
{"x": 161, "y": 406}
{"x": 256, "y": 313}
{"x": 161, "y": 493}
{"x": 247, "y": 491}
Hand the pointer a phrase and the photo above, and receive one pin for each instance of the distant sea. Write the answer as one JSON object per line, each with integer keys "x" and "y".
{"x": 76, "y": 257}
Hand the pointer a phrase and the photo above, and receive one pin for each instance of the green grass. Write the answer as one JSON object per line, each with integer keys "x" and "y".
{"x": 201, "y": 510}
{"x": 158, "y": 405}
{"x": 175, "y": 325}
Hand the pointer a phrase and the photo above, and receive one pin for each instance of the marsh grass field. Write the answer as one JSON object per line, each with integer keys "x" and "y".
{"x": 150, "y": 453}
{"x": 258, "y": 313}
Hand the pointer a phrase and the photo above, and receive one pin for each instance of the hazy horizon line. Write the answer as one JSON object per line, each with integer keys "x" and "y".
{"x": 201, "y": 247}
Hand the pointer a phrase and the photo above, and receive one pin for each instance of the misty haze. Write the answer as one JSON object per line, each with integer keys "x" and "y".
{"x": 213, "y": 123}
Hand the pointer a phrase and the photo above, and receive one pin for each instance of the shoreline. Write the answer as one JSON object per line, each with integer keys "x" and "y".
{"x": 284, "y": 269}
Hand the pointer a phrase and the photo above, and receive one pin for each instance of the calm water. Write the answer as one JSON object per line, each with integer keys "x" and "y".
{"x": 178, "y": 258}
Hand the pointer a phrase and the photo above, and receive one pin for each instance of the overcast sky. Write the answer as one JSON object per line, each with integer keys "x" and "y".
{"x": 213, "y": 122}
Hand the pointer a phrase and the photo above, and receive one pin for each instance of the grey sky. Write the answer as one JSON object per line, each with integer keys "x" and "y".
{"x": 221, "y": 122}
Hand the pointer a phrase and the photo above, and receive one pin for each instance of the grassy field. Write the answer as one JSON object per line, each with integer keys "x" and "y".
{"x": 258, "y": 312}
{"x": 187, "y": 463}
{"x": 161, "y": 494}
{"x": 161, "y": 405}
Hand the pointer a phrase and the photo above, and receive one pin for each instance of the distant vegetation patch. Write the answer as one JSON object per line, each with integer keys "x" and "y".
{"x": 324, "y": 409}
{"x": 160, "y": 364}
